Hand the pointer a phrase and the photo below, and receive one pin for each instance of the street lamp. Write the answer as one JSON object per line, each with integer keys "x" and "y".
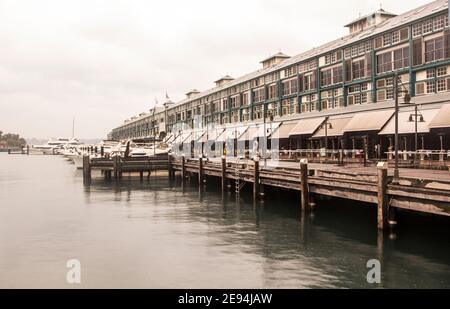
{"x": 407, "y": 99}
{"x": 416, "y": 117}
{"x": 269, "y": 113}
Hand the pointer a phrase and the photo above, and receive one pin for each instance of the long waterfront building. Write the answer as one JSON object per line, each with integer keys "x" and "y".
{"x": 348, "y": 82}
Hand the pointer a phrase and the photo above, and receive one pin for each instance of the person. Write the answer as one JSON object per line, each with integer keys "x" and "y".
{"x": 256, "y": 148}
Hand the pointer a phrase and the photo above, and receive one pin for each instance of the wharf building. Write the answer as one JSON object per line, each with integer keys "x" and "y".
{"x": 339, "y": 95}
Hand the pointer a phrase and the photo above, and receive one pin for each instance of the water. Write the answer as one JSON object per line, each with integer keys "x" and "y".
{"x": 158, "y": 235}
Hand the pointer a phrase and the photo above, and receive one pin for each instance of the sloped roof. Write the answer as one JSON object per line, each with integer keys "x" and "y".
{"x": 380, "y": 12}
{"x": 394, "y": 22}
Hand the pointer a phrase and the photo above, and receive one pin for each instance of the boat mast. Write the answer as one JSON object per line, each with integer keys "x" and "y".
{"x": 73, "y": 127}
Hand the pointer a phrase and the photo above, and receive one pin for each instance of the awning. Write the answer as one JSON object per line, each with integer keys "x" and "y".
{"x": 368, "y": 121}
{"x": 442, "y": 118}
{"x": 197, "y": 135}
{"x": 334, "y": 128}
{"x": 270, "y": 127}
{"x": 283, "y": 130}
{"x": 307, "y": 126}
{"x": 168, "y": 138}
{"x": 405, "y": 126}
{"x": 211, "y": 135}
{"x": 249, "y": 134}
{"x": 186, "y": 137}
{"x": 232, "y": 133}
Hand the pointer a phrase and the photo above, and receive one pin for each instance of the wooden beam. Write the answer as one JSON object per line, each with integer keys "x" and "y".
{"x": 382, "y": 210}
{"x": 304, "y": 184}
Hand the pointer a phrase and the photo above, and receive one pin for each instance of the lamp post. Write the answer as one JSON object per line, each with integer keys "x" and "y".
{"x": 265, "y": 134}
{"x": 418, "y": 117}
{"x": 407, "y": 99}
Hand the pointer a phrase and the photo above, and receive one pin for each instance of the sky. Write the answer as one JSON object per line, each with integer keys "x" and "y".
{"x": 103, "y": 61}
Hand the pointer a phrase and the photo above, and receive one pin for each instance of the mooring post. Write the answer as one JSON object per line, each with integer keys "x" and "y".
{"x": 28, "y": 150}
{"x": 200, "y": 170}
{"x": 224, "y": 173}
{"x": 256, "y": 177}
{"x": 96, "y": 150}
{"x": 169, "y": 166}
{"x": 86, "y": 169}
{"x": 141, "y": 175}
{"x": 115, "y": 166}
{"x": 304, "y": 183}
{"x": 102, "y": 151}
{"x": 382, "y": 210}
{"x": 119, "y": 166}
{"x": 183, "y": 168}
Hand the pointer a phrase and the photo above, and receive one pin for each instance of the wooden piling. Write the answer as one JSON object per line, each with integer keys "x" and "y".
{"x": 256, "y": 177}
{"x": 170, "y": 167}
{"x": 304, "y": 184}
{"x": 183, "y": 168}
{"x": 200, "y": 170}
{"x": 9, "y": 150}
{"x": 116, "y": 166}
{"x": 86, "y": 169}
{"x": 102, "y": 151}
{"x": 382, "y": 209}
{"x": 224, "y": 173}
{"x": 28, "y": 150}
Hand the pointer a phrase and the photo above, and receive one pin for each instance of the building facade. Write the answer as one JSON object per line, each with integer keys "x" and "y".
{"x": 351, "y": 74}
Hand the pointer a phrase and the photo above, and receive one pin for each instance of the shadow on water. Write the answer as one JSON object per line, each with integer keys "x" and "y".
{"x": 326, "y": 247}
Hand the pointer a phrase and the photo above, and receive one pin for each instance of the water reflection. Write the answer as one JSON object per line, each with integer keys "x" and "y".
{"x": 156, "y": 233}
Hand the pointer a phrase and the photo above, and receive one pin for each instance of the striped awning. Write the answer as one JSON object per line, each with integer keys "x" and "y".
{"x": 307, "y": 126}
{"x": 335, "y": 127}
{"x": 249, "y": 134}
{"x": 368, "y": 121}
{"x": 407, "y": 125}
{"x": 232, "y": 133}
{"x": 283, "y": 130}
{"x": 442, "y": 118}
{"x": 211, "y": 135}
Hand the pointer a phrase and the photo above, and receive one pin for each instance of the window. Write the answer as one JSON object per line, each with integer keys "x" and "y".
{"x": 384, "y": 62}
{"x": 401, "y": 58}
{"x": 387, "y": 39}
{"x": 442, "y": 71}
{"x": 434, "y": 49}
{"x": 438, "y": 23}
{"x": 395, "y": 37}
{"x": 245, "y": 98}
{"x": 309, "y": 82}
{"x": 358, "y": 70}
{"x": 258, "y": 95}
{"x": 326, "y": 77}
{"x": 273, "y": 89}
{"x": 427, "y": 26}
{"x": 417, "y": 30}
{"x": 430, "y": 73}
{"x": 431, "y": 87}
{"x": 441, "y": 85}
{"x": 337, "y": 75}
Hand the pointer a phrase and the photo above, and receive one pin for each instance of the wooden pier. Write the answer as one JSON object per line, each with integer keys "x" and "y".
{"x": 417, "y": 190}
{"x": 116, "y": 166}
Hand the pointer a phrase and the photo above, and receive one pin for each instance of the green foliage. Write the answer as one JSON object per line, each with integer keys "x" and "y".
{"x": 11, "y": 140}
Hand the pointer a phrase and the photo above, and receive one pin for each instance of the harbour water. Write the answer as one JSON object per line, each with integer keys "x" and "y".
{"x": 156, "y": 234}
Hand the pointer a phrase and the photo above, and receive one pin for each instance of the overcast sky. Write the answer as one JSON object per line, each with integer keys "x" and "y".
{"x": 104, "y": 61}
